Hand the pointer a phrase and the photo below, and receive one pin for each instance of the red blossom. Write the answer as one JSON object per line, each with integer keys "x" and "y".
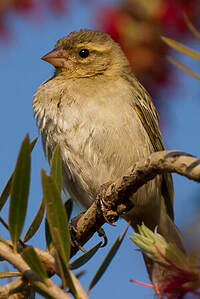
{"x": 177, "y": 282}
{"x": 172, "y": 17}
{"x": 111, "y": 21}
{"x": 139, "y": 35}
{"x": 58, "y": 6}
{"x": 24, "y": 5}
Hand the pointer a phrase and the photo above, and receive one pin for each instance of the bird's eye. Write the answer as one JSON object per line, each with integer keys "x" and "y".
{"x": 84, "y": 53}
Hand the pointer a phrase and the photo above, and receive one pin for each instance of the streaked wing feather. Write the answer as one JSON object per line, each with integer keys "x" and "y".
{"x": 149, "y": 118}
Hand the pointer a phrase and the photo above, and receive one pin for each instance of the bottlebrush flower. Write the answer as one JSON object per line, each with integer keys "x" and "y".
{"x": 182, "y": 275}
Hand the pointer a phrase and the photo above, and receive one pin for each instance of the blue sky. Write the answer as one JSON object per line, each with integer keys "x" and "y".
{"x": 21, "y": 73}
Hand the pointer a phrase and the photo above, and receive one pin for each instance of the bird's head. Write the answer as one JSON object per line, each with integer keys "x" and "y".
{"x": 87, "y": 53}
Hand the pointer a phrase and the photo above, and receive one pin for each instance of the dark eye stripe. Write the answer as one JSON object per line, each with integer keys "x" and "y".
{"x": 84, "y": 53}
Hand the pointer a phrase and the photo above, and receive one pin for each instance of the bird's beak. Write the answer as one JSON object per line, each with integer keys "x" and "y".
{"x": 58, "y": 57}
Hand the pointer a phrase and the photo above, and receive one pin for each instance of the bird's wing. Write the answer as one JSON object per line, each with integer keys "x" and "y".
{"x": 147, "y": 113}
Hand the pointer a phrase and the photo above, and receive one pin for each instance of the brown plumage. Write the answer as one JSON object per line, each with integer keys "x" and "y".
{"x": 104, "y": 121}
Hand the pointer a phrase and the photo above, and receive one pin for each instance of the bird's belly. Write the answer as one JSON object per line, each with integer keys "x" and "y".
{"x": 100, "y": 154}
{"x": 100, "y": 138}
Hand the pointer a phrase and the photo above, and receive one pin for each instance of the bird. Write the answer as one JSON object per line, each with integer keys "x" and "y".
{"x": 104, "y": 122}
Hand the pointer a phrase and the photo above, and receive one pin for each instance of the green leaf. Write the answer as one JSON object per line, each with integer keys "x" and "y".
{"x": 191, "y": 27}
{"x": 65, "y": 275}
{"x": 106, "y": 262}
{"x": 181, "y": 48}
{"x": 35, "y": 223}
{"x": 68, "y": 207}
{"x": 6, "y": 191}
{"x": 19, "y": 192}
{"x": 4, "y": 223}
{"x": 58, "y": 224}
{"x": 33, "y": 142}
{"x": 48, "y": 235}
{"x": 184, "y": 68}
{"x": 56, "y": 167}
{"x": 80, "y": 274}
{"x": 32, "y": 259}
{"x": 56, "y": 216}
{"x": 84, "y": 258}
{"x": 9, "y": 274}
{"x": 61, "y": 270}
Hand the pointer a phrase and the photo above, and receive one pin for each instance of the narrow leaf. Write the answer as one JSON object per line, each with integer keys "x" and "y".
{"x": 32, "y": 259}
{"x": 181, "y": 48}
{"x": 4, "y": 223}
{"x": 80, "y": 274}
{"x": 35, "y": 223}
{"x": 184, "y": 68}
{"x": 61, "y": 270}
{"x": 56, "y": 167}
{"x": 56, "y": 216}
{"x": 105, "y": 264}
{"x": 33, "y": 142}
{"x": 47, "y": 235}
{"x": 9, "y": 274}
{"x": 19, "y": 192}
{"x": 58, "y": 225}
{"x": 80, "y": 261}
{"x": 69, "y": 280}
{"x": 66, "y": 275}
{"x": 110, "y": 255}
{"x": 68, "y": 207}
{"x": 191, "y": 27}
{"x": 6, "y": 191}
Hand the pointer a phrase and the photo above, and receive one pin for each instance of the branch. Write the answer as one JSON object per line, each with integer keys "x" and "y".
{"x": 116, "y": 194}
{"x": 16, "y": 260}
{"x": 16, "y": 289}
{"x": 20, "y": 286}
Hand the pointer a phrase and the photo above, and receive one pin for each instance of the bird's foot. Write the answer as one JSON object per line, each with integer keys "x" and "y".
{"x": 111, "y": 210}
{"x": 73, "y": 231}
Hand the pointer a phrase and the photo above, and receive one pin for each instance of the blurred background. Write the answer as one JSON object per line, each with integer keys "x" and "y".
{"x": 29, "y": 29}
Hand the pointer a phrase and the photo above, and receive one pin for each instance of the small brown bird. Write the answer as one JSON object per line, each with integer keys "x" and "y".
{"x": 104, "y": 121}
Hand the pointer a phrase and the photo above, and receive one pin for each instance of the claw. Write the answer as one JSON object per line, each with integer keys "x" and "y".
{"x": 109, "y": 214}
{"x": 102, "y": 233}
{"x": 110, "y": 217}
